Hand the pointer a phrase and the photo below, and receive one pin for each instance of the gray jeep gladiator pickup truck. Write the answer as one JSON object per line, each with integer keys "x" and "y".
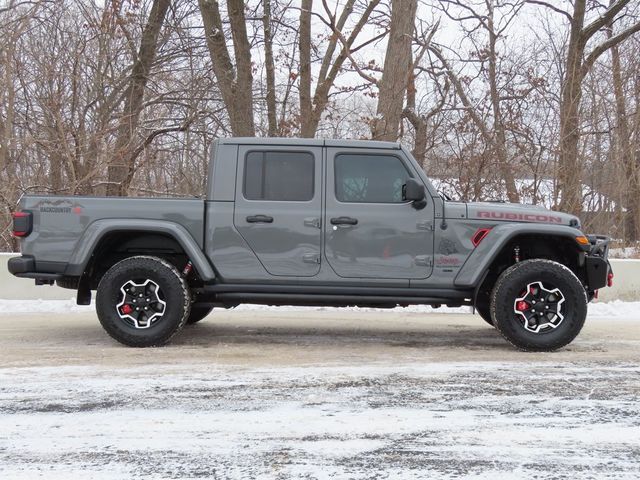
{"x": 312, "y": 222}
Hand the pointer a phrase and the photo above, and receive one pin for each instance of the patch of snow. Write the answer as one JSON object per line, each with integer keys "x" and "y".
{"x": 43, "y": 306}
{"x": 616, "y": 309}
{"x": 487, "y": 420}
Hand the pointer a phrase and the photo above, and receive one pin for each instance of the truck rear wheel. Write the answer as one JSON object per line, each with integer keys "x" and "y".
{"x": 198, "y": 312}
{"x": 143, "y": 301}
{"x": 539, "y": 305}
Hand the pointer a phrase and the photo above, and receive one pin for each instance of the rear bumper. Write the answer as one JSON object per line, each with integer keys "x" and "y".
{"x": 599, "y": 271}
{"x": 25, "y": 267}
{"x": 18, "y": 265}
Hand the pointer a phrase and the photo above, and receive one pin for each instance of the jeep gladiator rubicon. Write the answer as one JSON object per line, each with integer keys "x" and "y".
{"x": 312, "y": 222}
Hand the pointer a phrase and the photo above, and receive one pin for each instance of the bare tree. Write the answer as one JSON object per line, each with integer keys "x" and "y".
{"x": 398, "y": 66}
{"x": 625, "y": 148}
{"x": 312, "y": 108}
{"x": 579, "y": 62}
{"x": 272, "y": 114}
{"x": 121, "y": 168}
{"x": 235, "y": 83}
{"x": 494, "y": 133}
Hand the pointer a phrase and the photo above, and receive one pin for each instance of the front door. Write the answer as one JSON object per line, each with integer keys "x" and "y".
{"x": 278, "y": 207}
{"x": 370, "y": 232}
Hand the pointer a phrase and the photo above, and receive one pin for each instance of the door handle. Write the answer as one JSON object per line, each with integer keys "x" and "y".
{"x": 259, "y": 219}
{"x": 344, "y": 221}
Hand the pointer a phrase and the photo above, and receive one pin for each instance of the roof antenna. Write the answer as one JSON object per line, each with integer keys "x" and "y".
{"x": 443, "y": 225}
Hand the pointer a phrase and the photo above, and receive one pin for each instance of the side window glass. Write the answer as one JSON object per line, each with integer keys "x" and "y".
{"x": 279, "y": 176}
{"x": 369, "y": 178}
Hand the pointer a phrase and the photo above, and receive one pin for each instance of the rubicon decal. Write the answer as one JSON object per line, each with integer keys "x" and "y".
{"x": 524, "y": 217}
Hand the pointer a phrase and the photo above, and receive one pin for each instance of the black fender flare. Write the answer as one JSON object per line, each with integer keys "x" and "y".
{"x": 485, "y": 253}
{"x": 96, "y": 231}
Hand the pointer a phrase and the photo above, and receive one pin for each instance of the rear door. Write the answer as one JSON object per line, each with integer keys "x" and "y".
{"x": 370, "y": 231}
{"x": 278, "y": 207}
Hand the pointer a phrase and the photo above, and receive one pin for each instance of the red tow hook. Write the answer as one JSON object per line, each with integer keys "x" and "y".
{"x": 610, "y": 279}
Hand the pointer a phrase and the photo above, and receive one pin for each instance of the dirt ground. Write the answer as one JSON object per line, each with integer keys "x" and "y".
{"x": 316, "y": 394}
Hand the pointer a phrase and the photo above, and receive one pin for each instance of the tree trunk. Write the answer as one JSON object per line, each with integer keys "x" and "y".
{"x": 244, "y": 84}
{"x": 307, "y": 129}
{"x": 397, "y": 69}
{"x": 311, "y": 110}
{"x": 569, "y": 168}
{"x": 236, "y": 84}
{"x": 120, "y": 171}
{"x": 499, "y": 135}
{"x": 419, "y": 123}
{"x": 270, "y": 70}
{"x": 577, "y": 67}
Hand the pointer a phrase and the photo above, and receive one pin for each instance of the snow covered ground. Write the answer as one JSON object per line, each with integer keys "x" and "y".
{"x": 450, "y": 420}
{"x": 257, "y": 393}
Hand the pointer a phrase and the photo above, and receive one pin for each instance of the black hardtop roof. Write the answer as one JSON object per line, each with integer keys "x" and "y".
{"x": 309, "y": 142}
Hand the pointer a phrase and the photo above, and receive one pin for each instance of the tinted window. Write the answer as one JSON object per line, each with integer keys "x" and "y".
{"x": 284, "y": 176}
{"x": 370, "y": 178}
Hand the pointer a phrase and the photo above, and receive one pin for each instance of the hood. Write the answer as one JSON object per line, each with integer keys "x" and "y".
{"x": 516, "y": 212}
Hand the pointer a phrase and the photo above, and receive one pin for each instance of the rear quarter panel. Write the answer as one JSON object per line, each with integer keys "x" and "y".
{"x": 59, "y": 222}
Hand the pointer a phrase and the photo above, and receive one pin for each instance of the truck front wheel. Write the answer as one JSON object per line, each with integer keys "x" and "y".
{"x": 539, "y": 305}
{"x": 143, "y": 301}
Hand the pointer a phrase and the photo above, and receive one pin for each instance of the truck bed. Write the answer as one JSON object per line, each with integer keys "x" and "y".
{"x": 61, "y": 224}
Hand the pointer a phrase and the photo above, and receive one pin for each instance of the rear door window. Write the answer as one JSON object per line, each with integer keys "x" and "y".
{"x": 279, "y": 176}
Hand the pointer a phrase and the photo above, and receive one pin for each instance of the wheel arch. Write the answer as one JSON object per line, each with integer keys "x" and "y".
{"x": 495, "y": 252}
{"x": 120, "y": 238}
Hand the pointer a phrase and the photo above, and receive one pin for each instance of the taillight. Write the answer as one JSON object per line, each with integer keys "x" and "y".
{"x": 479, "y": 236}
{"x": 610, "y": 279}
{"x": 21, "y": 223}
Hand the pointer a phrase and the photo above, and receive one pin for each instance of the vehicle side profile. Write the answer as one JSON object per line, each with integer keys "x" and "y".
{"x": 313, "y": 222}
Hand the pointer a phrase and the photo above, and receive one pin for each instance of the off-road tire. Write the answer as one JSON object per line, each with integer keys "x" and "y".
{"x": 172, "y": 286}
{"x": 508, "y": 288}
{"x": 198, "y": 312}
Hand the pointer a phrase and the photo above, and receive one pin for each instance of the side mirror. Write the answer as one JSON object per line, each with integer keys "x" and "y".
{"x": 414, "y": 191}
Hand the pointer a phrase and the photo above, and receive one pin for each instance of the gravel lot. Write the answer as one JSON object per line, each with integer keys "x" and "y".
{"x": 316, "y": 394}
